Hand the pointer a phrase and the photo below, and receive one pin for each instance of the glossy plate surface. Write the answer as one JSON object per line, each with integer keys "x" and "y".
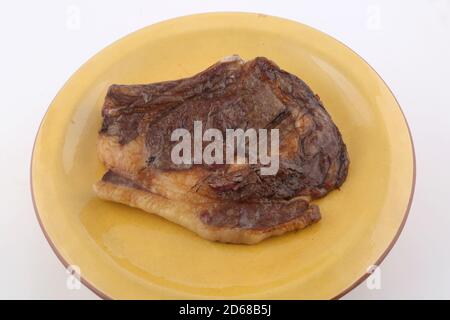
{"x": 126, "y": 253}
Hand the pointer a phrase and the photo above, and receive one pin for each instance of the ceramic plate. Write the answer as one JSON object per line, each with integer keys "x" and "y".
{"x": 127, "y": 253}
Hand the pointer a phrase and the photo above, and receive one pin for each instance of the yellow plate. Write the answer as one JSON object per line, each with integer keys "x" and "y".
{"x": 126, "y": 253}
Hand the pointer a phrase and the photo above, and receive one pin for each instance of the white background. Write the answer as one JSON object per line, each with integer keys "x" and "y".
{"x": 407, "y": 42}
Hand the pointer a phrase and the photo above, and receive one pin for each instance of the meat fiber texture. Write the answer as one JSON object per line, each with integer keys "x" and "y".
{"x": 232, "y": 203}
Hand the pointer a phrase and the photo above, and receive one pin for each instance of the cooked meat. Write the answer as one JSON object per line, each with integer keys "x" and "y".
{"x": 224, "y": 202}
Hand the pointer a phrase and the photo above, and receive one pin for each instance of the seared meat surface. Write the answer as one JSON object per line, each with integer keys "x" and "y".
{"x": 223, "y": 202}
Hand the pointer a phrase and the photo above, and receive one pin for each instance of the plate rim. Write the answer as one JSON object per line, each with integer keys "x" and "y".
{"x": 358, "y": 281}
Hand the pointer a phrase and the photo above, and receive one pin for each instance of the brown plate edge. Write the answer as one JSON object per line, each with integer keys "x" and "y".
{"x": 83, "y": 280}
{"x": 413, "y": 184}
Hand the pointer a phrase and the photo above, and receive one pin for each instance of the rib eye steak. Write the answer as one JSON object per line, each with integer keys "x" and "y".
{"x": 232, "y": 203}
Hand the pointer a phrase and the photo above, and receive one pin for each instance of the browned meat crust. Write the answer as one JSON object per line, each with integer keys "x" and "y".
{"x": 135, "y": 145}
